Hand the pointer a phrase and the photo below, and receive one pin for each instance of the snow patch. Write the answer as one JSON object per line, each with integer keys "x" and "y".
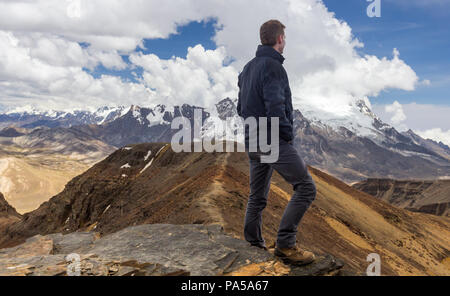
{"x": 148, "y": 154}
{"x": 104, "y": 211}
{"x": 125, "y": 166}
{"x": 147, "y": 166}
{"x": 157, "y": 153}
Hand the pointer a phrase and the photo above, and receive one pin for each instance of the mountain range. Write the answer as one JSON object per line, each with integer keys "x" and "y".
{"x": 353, "y": 147}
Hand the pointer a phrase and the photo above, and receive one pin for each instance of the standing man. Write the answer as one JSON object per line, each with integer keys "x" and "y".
{"x": 264, "y": 92}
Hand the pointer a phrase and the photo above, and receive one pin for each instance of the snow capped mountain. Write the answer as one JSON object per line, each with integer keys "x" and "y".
{"x": 353, "y": 146}
{"x": 141, "y": 124}
{"x": 31, "y": 117}
{"x": 358, "y": 119}
{"x": 106, "y": 114}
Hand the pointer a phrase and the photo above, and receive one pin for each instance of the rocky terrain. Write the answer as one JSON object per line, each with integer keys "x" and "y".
{"x": 151, "y": 249}
{"x": 432, "y": 197}
{"x": 148, "y": 183}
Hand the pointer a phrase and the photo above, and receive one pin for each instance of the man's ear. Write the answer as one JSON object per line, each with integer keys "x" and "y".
{"x": 280, "y": 39}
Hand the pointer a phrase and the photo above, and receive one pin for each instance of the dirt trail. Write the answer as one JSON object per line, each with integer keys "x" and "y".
{"x": 216, "y": 190}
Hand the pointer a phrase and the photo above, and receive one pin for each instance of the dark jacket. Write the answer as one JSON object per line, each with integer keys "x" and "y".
{"x": 264, "y": 91}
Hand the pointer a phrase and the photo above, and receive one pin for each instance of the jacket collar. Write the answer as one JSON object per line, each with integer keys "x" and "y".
{"x": 269, "y": 51}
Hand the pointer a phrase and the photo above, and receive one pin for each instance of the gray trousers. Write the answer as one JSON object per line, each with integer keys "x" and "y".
{"x": 293, "y": 169}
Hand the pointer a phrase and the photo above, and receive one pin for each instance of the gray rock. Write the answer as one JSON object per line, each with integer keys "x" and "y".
{"x": 75, "y": 242}
{"x": 149, "y": 249}
{"x": 203, "y": 250}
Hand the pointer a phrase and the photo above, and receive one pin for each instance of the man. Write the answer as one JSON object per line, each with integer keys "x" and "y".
{"x": 264, "y": 92}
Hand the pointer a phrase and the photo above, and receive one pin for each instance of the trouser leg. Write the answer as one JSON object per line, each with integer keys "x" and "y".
{"x": 294, "y": 170}
{"x": 260, "y": 174}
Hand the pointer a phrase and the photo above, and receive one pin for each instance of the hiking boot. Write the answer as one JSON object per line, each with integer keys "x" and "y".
{"x": 295, "y": 255}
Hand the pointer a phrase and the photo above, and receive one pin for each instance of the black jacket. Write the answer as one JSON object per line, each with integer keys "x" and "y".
{"x": 264, "y": 91}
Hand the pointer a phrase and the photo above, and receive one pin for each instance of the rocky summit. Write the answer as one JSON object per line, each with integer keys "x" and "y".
{"x": 151, "y": 249}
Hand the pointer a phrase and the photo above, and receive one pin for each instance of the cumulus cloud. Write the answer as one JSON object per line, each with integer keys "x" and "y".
{"x": 38, "y": 70}
{"x": 398, "y": 115}
{"x": 44, "y": 61}
{"x": 427, "y": 120}
{"x": 419, "y": 116}
{"x": 436, "y": 134}
{"x": 200, "y": 78}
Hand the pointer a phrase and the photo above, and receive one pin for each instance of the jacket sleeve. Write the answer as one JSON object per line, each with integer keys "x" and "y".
{"x": 239, "y": 97}
{"x": 275, "y": 101}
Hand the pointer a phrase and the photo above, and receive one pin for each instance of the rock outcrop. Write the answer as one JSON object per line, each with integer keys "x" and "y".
{"x": 151, "y": 249}
{"x": 8, "y": 215}
{"x": 6, "y": 210}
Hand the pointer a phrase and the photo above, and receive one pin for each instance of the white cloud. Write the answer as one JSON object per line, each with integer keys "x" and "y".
{"x": 200, "y": 78}
{"x": 425, "y": 82}
{"x": 417, "y": 116}
{"x": 436, "y": 134}
{"x": 42, "y": 70}
{"x": 396, "y": 109}
{"x": 428, "y": 121}
{"x": 43, "y": 61}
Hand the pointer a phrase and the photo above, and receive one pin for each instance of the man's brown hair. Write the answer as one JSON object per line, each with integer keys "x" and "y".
{"x": 269, "y": 32}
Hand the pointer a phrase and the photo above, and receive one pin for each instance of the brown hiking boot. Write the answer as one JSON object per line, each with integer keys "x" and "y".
{"x": 295, "y": 255}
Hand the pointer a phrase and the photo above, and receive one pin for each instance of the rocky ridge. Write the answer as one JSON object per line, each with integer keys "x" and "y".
{"x": 150, "y": 249}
